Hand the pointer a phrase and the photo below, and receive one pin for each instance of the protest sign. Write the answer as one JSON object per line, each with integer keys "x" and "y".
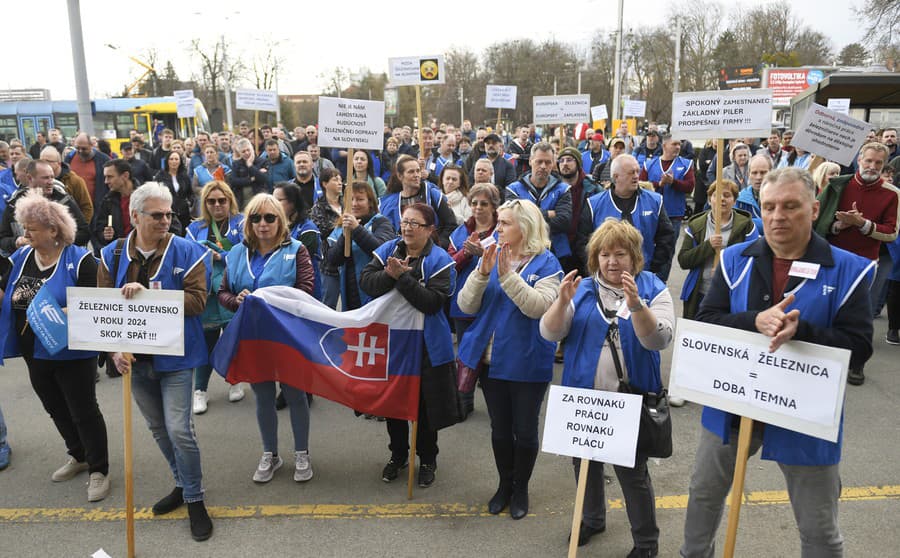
{"x": 351, "y": 123}
{"x": 799, "y": 387}
{"x": 722, "y": 114}
{"x": 635, "y": 108}
{"x": 592, "y": 424}
{"x": 256, "y": 99}
{"x": 599, "y": 113}
{"x": 562, "y": 109}
{"x": 103, "y": 320}
{"x": 184, "y": 103}
{"x": 839, "y": 105}
{"x": 830, "y": 134}
{"x": 416, "y": 70}
{"x": 500, "y": 97}
{"x": 391, "y": 101}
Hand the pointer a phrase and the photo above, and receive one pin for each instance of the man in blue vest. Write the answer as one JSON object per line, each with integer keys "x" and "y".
{"x": 649, "y": 149}
{"x": 673, "y": 177}
{"x": 549, "y": 193}
{"x": 625, "y": 200}
{"x": 831, "y": 308}
{"x": 162, "y": 386}
{"x": 596, "y": 156}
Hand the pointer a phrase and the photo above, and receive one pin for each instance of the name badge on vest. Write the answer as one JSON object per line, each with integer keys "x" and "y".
{"x": 623, "y": 312}
{"x": 156, "y": 285}
{"x": 805, "y": 270}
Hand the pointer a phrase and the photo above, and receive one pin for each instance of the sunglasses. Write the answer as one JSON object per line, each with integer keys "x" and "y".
{"x": 269, "y": 217}
{"x": 482, "y": 203}
{"x": 216, "y": 201}
{"x": 160, "y": 215}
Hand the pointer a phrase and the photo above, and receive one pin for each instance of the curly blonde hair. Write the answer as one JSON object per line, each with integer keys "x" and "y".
{"x": 34, "y": 208}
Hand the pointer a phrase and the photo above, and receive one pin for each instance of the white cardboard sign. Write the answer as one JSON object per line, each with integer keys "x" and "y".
{"x": 830, "y": 134}
{"x": 722, "y": 114}
{"x": 799, "y": 387}
{"x": 839, "y": 105}
{"x": 417, "y": 70}
{"x": 351, "y": 123}
{"x": 184, "y": 103}
{"x": 256, "y": 99}
{"x": 635, "y": 108}
{"x": 103, "y": 320}
{"x": 500, "y": 97}
{"x": 592, "y": 424}
{"x": 599, "y": 113}
{"x": 561, "y": 109}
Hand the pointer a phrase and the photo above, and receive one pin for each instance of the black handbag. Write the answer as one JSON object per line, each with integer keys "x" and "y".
{"x": 655, "y": 431}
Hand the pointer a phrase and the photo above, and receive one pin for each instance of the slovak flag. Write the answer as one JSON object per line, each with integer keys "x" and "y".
{"x": 369, "y": 359}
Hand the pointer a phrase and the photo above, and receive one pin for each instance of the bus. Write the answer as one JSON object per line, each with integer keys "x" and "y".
{"x": 113, "y": 119}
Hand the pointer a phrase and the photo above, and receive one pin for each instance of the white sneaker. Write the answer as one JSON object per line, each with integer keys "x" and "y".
{"x": 98, "y": 487}
{"x": 69, "y": 469}
{"x": 268, "y": 464}
{"x": 676, "y": 401}
{"x": 302, "y": 467}
{"x": 200, "y": 402}
{"x": 236, "y": 393}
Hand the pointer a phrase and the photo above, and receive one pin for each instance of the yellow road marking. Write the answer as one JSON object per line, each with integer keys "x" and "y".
{"x": 392, "y": 511}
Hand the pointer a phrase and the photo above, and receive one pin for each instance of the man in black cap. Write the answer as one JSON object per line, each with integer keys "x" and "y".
{"x": 581, "y": 187}
{"x": 504, "y": 171}
{"x": 649, "y": 149}
{"x": 139, "y": 169}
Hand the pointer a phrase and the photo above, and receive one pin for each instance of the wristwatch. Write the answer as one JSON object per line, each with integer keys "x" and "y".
{"x": 640, "y": 306}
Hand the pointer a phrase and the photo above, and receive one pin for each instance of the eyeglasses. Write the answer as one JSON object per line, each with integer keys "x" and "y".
{"x": 269, "y": 218}
{"x": 159, "y": 215}
{"x": 216, "y": 201}
{"x": 412, "y": 224}
{"x": 482, "y": 203}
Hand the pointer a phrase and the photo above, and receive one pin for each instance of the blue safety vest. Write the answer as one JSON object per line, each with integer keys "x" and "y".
{"x": 819, "y": 301}
{"x": 672, "y": 198}
{"x": 65, "y": 275}
{"x": 279, "y": 269}
{"x": 389, "y": 205}
{"x": 519, "y": 352}
{"x": 545, "y": 199}
{"x": 588, "y": 334}
{"x": 438, "y": 340}
{"x": 644, "y": 216}
{"x": 457, "y": 240}
{"x": 179, "y": 259}
{"x": 308, "y": 227}
{"x": 360, "y": 260}
{"x": 587, "y": 160}
{"x": 215, "y": 314}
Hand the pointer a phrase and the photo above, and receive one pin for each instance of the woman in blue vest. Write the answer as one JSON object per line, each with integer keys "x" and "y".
{"x": 301, "y": 226}
{"x": 423, "y": 273}
{"x": 210, "y": 170}
{"x": 698, "y": 249}
{"x": 368, "y": 230}
{"x": 466, "y": 246}
{"x": 219, "y": 228}
{"x": 510, "y": 291}
{"x": 326, "y": 214}
{"x": 269, "y": 256}
{"x": 63, "y": 379}
{"x": 406, "y": 187}
{"x": 364, "y": 171}
{"x": 615, "y": 323}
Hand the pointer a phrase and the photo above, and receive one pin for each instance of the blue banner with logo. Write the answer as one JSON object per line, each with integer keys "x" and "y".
{"x": 48, "y": 322}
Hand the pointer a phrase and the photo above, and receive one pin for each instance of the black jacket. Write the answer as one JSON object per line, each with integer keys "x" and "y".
{"x": 182, "y": 200}
{"x": 851, "y": 328}
{"x": 10, "y": 229}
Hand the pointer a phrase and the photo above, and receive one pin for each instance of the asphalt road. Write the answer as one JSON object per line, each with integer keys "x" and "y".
{"x": 346, "y": 510}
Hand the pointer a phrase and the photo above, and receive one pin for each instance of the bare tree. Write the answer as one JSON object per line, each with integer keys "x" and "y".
{"x": 267, "y": 65}
{"x": 882, "y": 19}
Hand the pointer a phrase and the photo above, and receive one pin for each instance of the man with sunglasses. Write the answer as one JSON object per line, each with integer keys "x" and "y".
{"x": 150, "y": 257}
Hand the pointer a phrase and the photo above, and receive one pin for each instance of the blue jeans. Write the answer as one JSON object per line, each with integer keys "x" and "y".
{"x": 202, "y": 373}
{"x": 164, "y": 399}
{"x": 267, "y": 417}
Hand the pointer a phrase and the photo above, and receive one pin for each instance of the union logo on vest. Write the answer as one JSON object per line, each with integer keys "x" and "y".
{"x": 360, "y": 353}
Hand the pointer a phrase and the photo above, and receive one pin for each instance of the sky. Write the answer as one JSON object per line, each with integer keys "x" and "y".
{"x": 311, "y": 34}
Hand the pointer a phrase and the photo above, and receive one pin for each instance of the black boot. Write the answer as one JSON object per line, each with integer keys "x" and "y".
{"x": 524, "y": 459}
{"x": 503, "y": 457}
{"x": 170, "y": 502}
{"x": 201, "y": 524}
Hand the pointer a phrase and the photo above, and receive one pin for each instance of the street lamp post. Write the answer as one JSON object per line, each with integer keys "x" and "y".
{"x": 85, "y": 118}
{"x": 618, "y": 70}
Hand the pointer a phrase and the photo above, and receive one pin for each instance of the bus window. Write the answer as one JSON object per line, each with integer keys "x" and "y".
{"x": 67, "y": 124}
{"x": 9, "y": 128}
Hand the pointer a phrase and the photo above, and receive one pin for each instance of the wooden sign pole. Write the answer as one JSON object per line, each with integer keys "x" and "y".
{"x": 579, "y": 507}
{"x": 129, "y": 471}
{"x": 256, "y": 132}
{"x": 737, "y": 485}
{"x": 720, "y": 154}
{"x": 348, "y": 195}
{"x": 419, "y": 117}
{"x": 499, "y": 114}
{"x": 412, "y": 458}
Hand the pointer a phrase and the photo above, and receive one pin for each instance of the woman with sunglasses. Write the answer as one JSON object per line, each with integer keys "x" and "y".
{"x": 406, "y": 187}
{"x": 423, "y": 273}
{"x": 368, "y": 230}
{"x": 219, "y": 228}
{"x": 269, "y": 256}
{"x": 364, "y": 171}
{"x": 516, "y": 282}
{"x": 467, "y": 245}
